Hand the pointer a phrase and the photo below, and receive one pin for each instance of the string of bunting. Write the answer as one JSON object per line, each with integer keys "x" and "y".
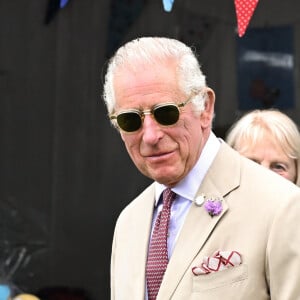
{"x": 244, "y": 11}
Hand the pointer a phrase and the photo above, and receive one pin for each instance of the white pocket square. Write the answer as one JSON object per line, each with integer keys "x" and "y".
{"x": 219, "y": 261}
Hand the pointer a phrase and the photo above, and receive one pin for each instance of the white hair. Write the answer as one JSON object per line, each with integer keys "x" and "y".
{"x": 153, "y": 50}
{"x": 256, "y": 125}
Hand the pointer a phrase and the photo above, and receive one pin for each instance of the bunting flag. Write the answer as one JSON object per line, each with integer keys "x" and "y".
{"x": 168, "y": 4}
{"x": 244, "y": 11}
{"x": 123, "y": 15}
{"x": 53, "y": 7}
{"x": 63, "y": 3}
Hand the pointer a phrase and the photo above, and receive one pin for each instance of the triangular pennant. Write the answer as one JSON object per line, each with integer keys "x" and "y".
{"x": 168, "y": 4}
{"x": 52, "y": 9}
{"x": 63, "y": 3}
{"x": 244, "y": 11}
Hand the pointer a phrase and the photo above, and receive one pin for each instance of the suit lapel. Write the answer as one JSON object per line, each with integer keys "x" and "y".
{"x": 199, "y": 224}
{"x": 143, "y": 226}
{"x": 140, "y": 249}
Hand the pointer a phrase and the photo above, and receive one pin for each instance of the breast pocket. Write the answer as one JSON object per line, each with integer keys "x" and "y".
{"x": 220, "y": 279}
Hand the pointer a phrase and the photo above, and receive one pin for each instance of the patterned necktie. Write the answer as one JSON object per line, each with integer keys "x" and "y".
{"x": 158, "y": 250}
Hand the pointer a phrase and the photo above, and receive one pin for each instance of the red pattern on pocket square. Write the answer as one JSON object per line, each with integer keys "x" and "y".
{"x": 219, "y": 261}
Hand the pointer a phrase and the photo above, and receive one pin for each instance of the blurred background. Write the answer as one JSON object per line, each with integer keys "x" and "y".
{"x": 64, "y": 172}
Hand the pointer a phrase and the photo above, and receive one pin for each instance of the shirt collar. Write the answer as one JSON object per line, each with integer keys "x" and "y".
{"x": 189, "y": 185}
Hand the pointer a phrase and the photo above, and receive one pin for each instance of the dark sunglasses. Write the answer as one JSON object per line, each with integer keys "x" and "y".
{"x": 165, "y": 114}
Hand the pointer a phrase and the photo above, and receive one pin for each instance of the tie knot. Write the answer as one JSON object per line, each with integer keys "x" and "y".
{"x": 168, "y": 197}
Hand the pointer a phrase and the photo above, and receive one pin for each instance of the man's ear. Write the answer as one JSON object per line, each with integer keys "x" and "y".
{"x": 207, "y": 114}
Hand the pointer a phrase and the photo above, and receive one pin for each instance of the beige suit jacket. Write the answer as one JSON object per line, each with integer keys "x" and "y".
{"x": 260, "y": 220}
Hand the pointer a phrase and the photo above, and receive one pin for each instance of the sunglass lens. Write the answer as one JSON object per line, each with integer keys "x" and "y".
{"x": 166, "y": 115}
{"x": 129, "y": 121}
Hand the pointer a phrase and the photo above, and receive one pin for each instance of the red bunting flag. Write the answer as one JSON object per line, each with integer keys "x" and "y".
{"x": 244, "y": 11}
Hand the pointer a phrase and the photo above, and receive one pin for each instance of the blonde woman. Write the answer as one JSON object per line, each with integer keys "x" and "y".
{"x": 270, "y": 138}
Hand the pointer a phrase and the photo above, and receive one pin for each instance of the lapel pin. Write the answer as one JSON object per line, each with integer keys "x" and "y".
{"x": 213, "y": 206}
{"x": 199, "y": 200}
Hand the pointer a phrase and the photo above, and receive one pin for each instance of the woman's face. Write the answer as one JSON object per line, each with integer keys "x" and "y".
{"x": 270, "y": 155}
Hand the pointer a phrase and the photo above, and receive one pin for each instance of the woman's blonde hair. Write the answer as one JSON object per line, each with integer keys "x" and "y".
{"x": 256, "y": 125}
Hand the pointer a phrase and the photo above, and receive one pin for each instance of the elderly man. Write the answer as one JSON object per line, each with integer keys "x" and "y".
{"x": 213, "y": 225}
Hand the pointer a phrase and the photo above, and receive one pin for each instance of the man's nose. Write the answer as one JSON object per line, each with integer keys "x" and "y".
{"x": 152, "y": 132}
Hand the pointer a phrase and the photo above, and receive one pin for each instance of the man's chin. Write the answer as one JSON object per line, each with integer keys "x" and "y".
{"x": 169, "y": 180}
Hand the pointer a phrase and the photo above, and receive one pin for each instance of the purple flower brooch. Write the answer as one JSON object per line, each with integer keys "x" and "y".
{"x": 212, "y": 206}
